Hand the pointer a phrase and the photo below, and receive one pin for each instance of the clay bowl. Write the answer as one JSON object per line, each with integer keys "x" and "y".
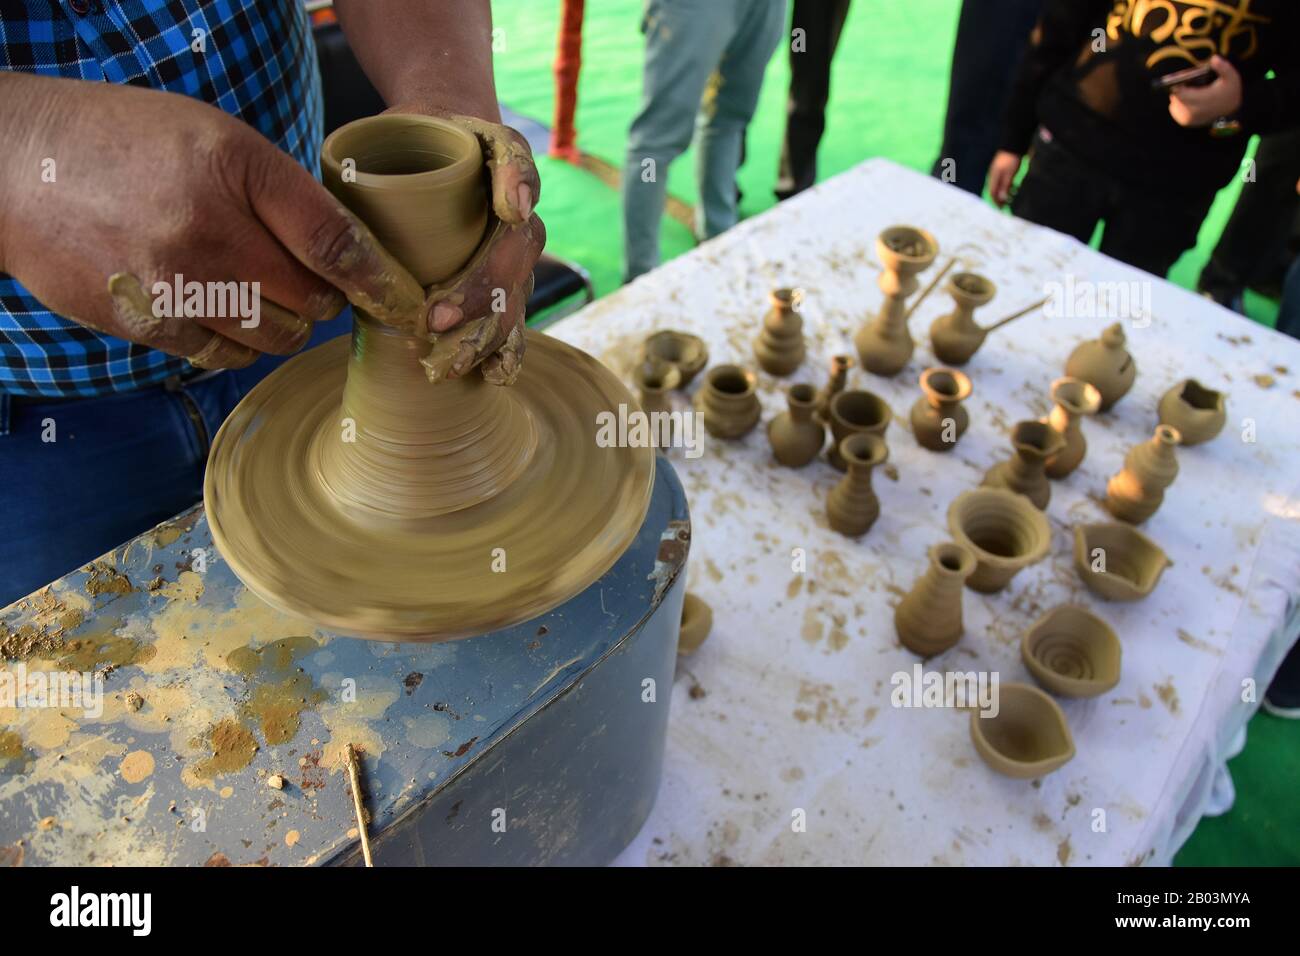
{"x": 906, "y": 249}
{"x": 1132, "y": 562}
{"x": 1072, "y": 652}
{"x": 1003, "y": 530}
{"x": 1029, "y": 736}
{"x": 855, "y": 411}
{"x": 1076, "y": 396}
{"x": 697, "y": 621}
{"x": 687, "y": 352}
{"x": 1198, "y": 413}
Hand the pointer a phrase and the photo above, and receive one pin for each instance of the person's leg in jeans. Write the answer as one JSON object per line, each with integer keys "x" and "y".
{"x": 991, "y": 40}
{"x": 821, "y": 22}
{"x": 727, "y": 108}
{"x": 685, "y": 40}
{"x": 1059, "y": 191}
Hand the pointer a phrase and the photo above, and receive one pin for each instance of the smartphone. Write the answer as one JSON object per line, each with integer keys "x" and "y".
{"x": 1196, "y": 76}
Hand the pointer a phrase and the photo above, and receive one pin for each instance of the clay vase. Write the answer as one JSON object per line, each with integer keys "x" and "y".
{"x": 852, "y": 506}
{"x": 1198, "y": 413}
{"x": 1026, "y": 470}
{"x": 1105, "y": 364}
{"x": 852, "y": 412}
{"x": 1028, "y": 738}
{"x": 938, "y": 418}
{"x": 956, "y": 337}
{"x": 885, "y": 345}
{"x": 729, "y": 401}
{"x": 928, "y": 619}
{"x": 1072, "y": 652}
{"x": 1135, "y": 494}
{"x": 796, "y": 436}
{"x": 1117, "y": 562}
{"x": 687, "y": 352}
{"x": 654, "y": 380}
{"x": 697, "y": 621}
{"x": 840, "y": 365}
{"x": 1074, "y": 401}
{"x": 1003, "y": 530}
{"x": 779, "y": 347}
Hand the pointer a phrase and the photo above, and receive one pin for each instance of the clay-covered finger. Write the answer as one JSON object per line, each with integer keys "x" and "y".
{"x": 502, "y": 263}
{"x": 516, "y": 185}
{"x": 262, "y": 325}
{"x": 134, "y": 318}
{"x": 503, "y": 366}
{"x": 221, "y": 352}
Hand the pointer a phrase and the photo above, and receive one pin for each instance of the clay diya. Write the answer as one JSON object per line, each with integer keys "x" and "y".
{"x": 1105, "y": 364}
{"x": 1026, "y": 470}
{"x": 956, "y": 337}
{"x": 687, "y": 352}
{"x": 852, "y": 506}
{"x": 856, "y": 411}
{"x": 729, "y": 401}
{"x": 349, "y": 489}
{"x": 938, "y": 417}
{"x": 796, "y": 435}
{"x": 840, "y": 365}
{"x": 697, "y": 622}
{"x": 885, "y": 345}
{"x": 928, "y": 619}
{"x": 1135, "y": 494}
{"x": 1198, "y": 413}
{"x": 1003, "y": 530}
{"x": 1117, "y": 562}
{"x": 1028, "y": 738}
{"x": 654, "y": 379}
{"x": 1072, "y": 652}
{"x": 1073, "y": 400}
{"x": 779, "y": 347}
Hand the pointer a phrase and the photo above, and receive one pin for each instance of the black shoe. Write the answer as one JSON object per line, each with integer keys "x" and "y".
{"x": 1282, "y": 699}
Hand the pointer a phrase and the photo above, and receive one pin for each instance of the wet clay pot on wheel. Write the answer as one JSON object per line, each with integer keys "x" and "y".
{"x": 1028, "y": 738}
{"x": 1136, "y": 493}
{"x": 854, "y": 412}
{"x": 1198, "y": 413}
{"x": 697, "y": 622}
{"x": 1026, "y": 470}
{"x": 956, "y": 337}
{"x": 852, "y": 506}
{"x": 796, "y": 436}
{"x": 1074, "y": 400}
{"x": 1003, "y": 530}
{"x": 1072, "y": 652}
{"x": 885, "y": 345}
{"x": 655, "y": 380}
{"x": 1105, "y": 364}
{"x": 779, "y": 347}
{"x": 928, "y": 619}
{"x": 1117, "y": 562}
{"x": 938, "y": 418}
{"x": 687, "y": 352}
{"x": 729, "y": 401}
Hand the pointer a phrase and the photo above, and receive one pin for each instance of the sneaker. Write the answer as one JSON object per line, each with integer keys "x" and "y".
{"x": 1282, "y": 699}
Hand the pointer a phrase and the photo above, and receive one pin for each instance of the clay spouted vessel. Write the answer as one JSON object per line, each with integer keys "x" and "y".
{"x": 884, "y": 344}
{"x": 956, "y": 337}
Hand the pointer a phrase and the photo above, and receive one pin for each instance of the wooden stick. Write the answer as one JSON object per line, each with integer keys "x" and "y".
{"x": 354, "y": 775}
{"x": 930, "y": 288}
{"x": 1016, "y": 315}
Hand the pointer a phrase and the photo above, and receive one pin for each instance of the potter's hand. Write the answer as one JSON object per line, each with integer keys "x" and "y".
{"x": 485, "y": 302}
{"x": 1002, "y": 174}
{"x": 140, "y": 187}
{"x": 1202, "y": 105}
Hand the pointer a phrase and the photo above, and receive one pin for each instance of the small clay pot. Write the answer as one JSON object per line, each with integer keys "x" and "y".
{"x": 1072, "y": 652}
{"x": 1198, "y": 413}
{"x": 654, "y": 380}
{"x": 938, "y": 417}
{"x": 956, "y": 337}
{"x": 796, "y": 435}
{"x": 1026, "y": 470}
{"x": 884, "y": 344}
{"x": 852, "y": 506}
{"x": 856, "y": 411}
{"x": 1106, "y": 364}
{"x": 1117, "y": 562}
{"x": 1074, "y": 401}
{"x": 697, "y": 622}
{"x": 1136, "y": 493}
{"x": 928, "y": 619}
{"x": 840, "y": 365}
{"x": 779, "y": 347}
{"x": 688, "y": 352}
{"x": 729, "y": 401}
{"x": 1003, "y": 530}
{"x": 1028, "y": 738}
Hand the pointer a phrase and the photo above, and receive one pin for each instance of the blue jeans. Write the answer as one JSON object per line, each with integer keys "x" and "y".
{"x": 1288, "y": 317}
{"x": 81, "y": 477}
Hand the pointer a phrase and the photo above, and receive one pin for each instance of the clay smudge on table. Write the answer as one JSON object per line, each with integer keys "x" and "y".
{"x": 1197, "y": 643}
{"x": 46, "y": 618}
{"x": 232, "y": 748}
{"x": 1168, "y": 695}
{"x": 281, "y": 690}
{"x": 136, "y": 766}
{"x": 106, "y": 579}
{"x": 14, "y": 758}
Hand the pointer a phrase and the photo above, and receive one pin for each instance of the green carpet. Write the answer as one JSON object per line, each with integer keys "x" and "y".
{"x": 889, "y": 93}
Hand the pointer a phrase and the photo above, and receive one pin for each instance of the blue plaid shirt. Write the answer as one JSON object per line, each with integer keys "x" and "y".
{"x": 260, "y": 66}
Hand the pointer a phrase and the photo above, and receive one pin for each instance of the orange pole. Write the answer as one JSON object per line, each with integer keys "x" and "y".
{"x": 568, "y": 61}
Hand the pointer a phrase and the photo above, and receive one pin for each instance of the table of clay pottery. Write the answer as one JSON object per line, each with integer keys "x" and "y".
{"x": 786, "y": 706}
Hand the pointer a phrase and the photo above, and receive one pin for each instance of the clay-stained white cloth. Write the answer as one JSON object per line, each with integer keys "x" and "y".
{"x": 787, "y": 705}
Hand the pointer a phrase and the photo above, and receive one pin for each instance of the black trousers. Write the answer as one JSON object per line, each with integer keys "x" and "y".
{"x": 1064, "y": 193}
{"x": 821, "y": 21}
{"x": 991, "y": 39}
